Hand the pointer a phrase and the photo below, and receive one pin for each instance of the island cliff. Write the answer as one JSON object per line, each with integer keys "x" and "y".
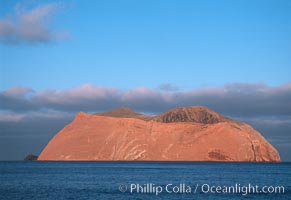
{"x": 183, "y": 134}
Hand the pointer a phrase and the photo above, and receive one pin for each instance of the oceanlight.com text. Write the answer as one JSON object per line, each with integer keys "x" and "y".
{"x": 182, "y": 188}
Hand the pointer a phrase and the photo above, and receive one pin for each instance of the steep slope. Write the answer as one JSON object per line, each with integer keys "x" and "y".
{"x": 183, "y": 134}
{"x": 197, "y": 114}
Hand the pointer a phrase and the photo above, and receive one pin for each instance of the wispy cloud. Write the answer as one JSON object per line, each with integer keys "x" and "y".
{"x": 11, "y": 117}
{"x": 169, "y": 87}
{"x": 31, "y": 26}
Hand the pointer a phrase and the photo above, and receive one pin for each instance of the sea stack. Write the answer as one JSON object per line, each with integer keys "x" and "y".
{"x": 183, "y": 134}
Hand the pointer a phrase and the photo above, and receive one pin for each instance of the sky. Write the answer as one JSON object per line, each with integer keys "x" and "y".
{"x": 61, "y": 57}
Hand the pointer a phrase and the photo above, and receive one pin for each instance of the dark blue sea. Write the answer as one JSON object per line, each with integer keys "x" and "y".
{"x": 144, "y": 180}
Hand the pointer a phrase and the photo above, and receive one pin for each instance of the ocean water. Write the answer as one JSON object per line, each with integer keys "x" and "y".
{"x": 144, "y": 180}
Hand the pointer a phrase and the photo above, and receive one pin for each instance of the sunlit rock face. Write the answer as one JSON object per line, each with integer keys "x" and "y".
{"x": 183, "y": 134}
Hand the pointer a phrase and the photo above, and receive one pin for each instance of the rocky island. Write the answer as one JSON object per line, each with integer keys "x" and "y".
{"x": 183, "y": 134}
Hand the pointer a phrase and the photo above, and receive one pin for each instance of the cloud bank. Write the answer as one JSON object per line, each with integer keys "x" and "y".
{"x": 30, "y": 26}
{"x": 29, "y": 118}
{"x": 236, "y": 99}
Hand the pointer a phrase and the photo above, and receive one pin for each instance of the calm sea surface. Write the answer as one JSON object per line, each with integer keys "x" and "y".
{"x": 144, "y": 180}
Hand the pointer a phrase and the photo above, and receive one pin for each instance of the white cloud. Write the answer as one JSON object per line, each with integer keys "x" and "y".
{"x": 18, "y": 91}
{"x": 31, "y": 26}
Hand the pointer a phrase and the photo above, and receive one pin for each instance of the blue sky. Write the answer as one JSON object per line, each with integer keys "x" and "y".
{"x": 128, "y": 44}
{"x": 58, "y": 58}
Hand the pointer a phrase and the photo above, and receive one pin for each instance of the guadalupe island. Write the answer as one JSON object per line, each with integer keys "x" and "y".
{"x": 193, "y": 133}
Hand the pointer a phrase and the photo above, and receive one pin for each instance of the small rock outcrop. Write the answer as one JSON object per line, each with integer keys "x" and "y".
{"x": 31, "y": 157}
